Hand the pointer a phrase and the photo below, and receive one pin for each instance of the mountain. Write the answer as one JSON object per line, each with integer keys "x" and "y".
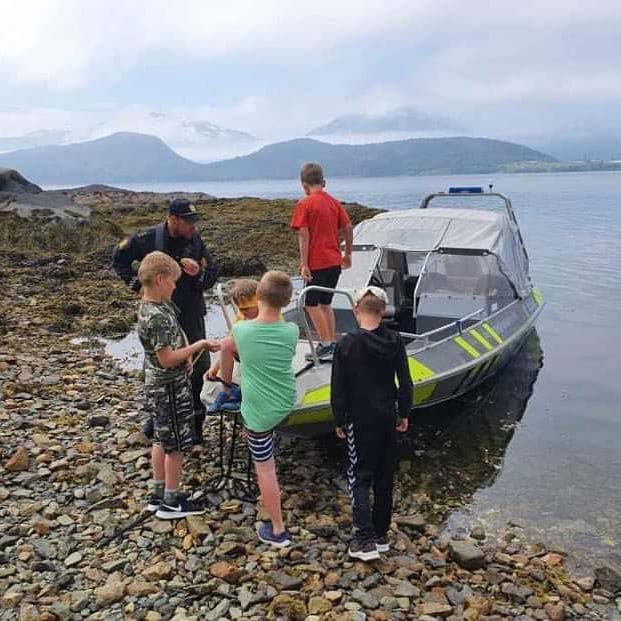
{"x": 37, "y": 138}
{"x": 408, "y": 120}
{"x": 193, "y": 137}
{"x": 122, "y": 157}
{"x": 129, "y": 157}
{"x": 583, "y": 145}
{"x": 405, "y": 157}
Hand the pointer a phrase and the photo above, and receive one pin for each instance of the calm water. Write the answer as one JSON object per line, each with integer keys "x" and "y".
{"x": 542, "y": 445}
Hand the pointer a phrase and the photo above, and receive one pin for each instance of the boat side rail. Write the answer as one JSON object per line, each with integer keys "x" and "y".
{"x": 304, "y": 318}
{"x": 222, "y": 302}
{"x": 469, "y": 193}
{"x": 456, "y": 326}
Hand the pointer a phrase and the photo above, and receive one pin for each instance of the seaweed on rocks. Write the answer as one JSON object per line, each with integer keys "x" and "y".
{"x": 57, "y": 269}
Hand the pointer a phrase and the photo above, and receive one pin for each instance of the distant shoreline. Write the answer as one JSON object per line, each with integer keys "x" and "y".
{"x": 561, "y": 167}
{"x": 182, "y": 186}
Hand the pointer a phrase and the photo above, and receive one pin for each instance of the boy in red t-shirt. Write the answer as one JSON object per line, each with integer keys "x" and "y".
{"x": 318, "y": 219}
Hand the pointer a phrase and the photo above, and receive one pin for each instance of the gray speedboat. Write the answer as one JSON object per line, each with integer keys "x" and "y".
{"x": 457, "y": 277}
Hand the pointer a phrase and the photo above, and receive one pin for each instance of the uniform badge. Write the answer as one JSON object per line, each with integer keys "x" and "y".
{"x": 123, "y": 244}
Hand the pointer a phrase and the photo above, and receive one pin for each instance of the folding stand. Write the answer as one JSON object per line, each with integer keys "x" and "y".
{"x": 241, "y": 486}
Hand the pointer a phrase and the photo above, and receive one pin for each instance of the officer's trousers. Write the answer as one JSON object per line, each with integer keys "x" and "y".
{"x": 194, "y": 327}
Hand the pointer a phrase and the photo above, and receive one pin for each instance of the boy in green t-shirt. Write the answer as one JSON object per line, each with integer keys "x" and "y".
{"x": 266, "y": 346}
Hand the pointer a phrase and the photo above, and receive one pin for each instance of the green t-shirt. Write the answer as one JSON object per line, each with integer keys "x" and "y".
{"x": 268, "y": 386}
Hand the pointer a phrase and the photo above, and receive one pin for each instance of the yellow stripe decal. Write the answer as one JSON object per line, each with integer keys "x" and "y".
{"x": 422, "y": 393}
{"x": 317, "y": 395}
{"x": 538, "y": 296}
{"x": 308, "y": 418}
{"x": 463, "y": 343}
{"x": 493, "y": 333}
{"x": 418, "y": 371}
{"x": 481, "y": 339}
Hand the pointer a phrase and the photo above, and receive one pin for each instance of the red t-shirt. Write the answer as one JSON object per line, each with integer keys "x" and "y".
{"x": 323, "y": 216}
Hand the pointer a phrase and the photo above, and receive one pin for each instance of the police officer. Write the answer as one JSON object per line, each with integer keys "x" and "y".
{"x": 178, "y": 238}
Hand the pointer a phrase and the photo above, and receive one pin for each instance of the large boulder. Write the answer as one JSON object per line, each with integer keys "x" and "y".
{"x": 609, "y": 575}
{"x": 11, "y": 181}
{"x": 467, "y": 555}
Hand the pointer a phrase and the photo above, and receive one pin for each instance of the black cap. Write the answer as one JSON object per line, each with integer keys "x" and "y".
{"x": 183, "y": 208}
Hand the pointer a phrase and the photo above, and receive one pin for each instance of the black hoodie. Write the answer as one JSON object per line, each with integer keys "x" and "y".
{"x": 363, "y": 378}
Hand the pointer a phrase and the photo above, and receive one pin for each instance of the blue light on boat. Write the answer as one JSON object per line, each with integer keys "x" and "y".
{"x": 466, "y": 190}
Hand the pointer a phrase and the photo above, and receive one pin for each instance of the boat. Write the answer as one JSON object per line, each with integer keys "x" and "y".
{"x": 456, "y": 273}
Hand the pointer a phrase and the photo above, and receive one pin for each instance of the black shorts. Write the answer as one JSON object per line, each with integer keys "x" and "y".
{"x": 327, "y": 277}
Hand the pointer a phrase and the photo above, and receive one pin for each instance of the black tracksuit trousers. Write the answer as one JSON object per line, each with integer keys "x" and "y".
{"x": 372, "y": 459}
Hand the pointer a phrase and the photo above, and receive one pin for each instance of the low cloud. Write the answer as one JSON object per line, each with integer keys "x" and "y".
{"x": 279, "y": 69}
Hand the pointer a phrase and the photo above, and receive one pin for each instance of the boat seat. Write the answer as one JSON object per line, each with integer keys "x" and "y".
{"x": 391, "y": 280}
{"x": 409, "y": 286}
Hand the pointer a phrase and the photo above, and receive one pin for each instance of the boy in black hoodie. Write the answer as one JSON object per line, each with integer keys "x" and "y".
{"x": 364, "y": 395}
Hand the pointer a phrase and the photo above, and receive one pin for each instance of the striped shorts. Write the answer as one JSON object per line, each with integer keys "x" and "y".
{"x": 260, "y": 444}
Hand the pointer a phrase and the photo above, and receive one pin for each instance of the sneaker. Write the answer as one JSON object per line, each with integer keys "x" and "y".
{"x": 182, "y": 508}
{"x": 363, "y": 551}
{"x": 381, "y": 544}
{"x": 221, "y": 398}
{"x": 324, "y": 352}
{"x": 154, "y": 503}
{"x": 265, "y": 533}
{"x": 233, "y": 402}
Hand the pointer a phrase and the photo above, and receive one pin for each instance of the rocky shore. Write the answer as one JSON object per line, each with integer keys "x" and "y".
{"x": 74, "y": 470}
{"x": 55, "y": 262}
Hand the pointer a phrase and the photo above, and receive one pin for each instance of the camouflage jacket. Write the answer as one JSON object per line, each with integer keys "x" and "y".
{"x": 159, "y": 327}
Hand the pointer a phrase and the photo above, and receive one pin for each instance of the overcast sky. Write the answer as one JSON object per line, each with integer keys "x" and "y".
{"x": 279, "y": 68}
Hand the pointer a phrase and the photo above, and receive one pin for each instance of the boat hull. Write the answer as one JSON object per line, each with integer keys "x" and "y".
{"x": 440, "y": 371}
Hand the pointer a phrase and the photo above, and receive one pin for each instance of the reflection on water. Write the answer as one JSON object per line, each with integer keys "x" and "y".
{"x": 454, "y": 449}
{"x": 128, "y": 350}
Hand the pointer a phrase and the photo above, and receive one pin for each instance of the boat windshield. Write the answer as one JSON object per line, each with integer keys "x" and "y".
{"x": 364, "y": 260}
{"x": 455, "y": 284}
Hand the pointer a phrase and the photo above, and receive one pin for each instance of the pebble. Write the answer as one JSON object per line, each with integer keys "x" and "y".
{"x": 73, "y": 559}
{"x": 18, "y": 461}
{"x": 365, "y": 598}
{"x": 467, "y": 555}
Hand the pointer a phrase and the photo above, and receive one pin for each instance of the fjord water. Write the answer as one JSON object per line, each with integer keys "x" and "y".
{"x": 541, "y": 446}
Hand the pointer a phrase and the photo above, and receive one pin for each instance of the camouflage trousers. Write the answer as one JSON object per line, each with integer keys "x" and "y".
{"x": 172, "y": 408}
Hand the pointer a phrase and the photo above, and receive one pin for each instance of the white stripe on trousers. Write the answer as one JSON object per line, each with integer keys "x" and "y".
{"x": 352, "y": 457}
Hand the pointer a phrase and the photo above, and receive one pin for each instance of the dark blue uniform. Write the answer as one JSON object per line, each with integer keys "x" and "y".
{"x": 188, "y": 294}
